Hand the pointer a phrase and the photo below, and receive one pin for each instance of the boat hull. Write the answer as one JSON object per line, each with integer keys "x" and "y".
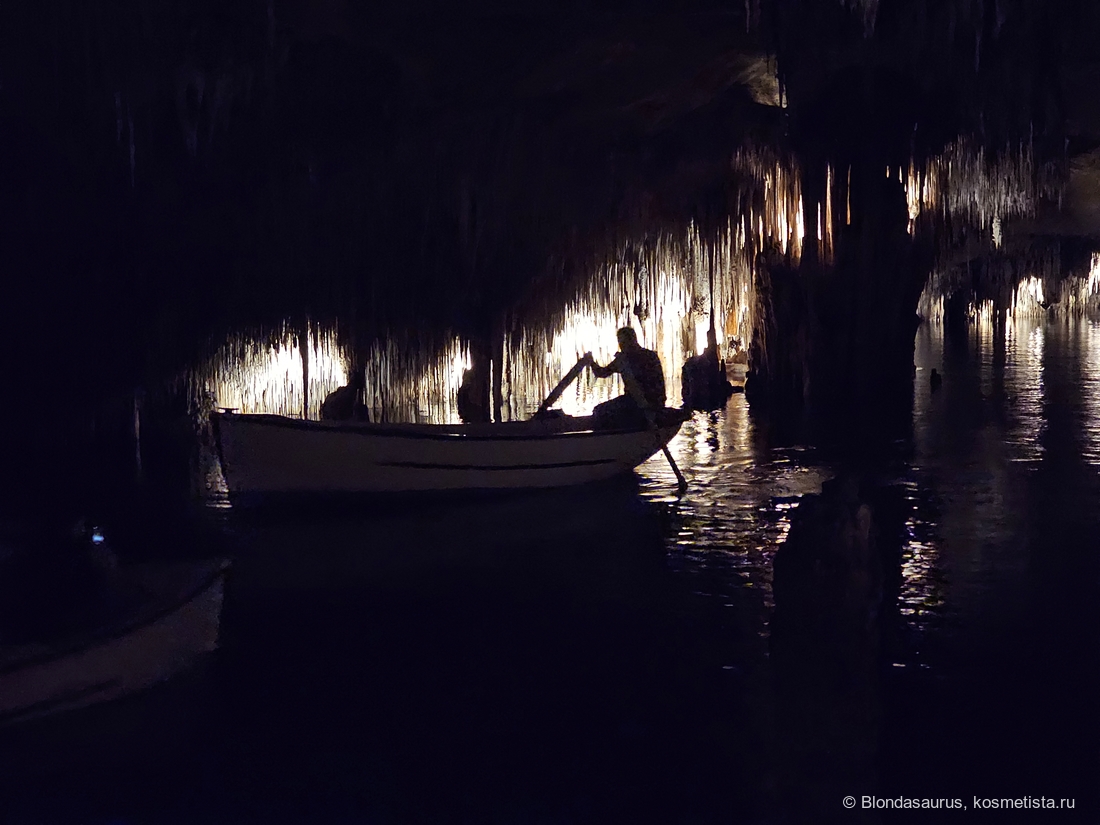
{"x": 264, "y": 454}
{"x": 179, "y": 625}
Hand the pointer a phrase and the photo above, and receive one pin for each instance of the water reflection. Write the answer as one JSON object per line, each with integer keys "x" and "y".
{"x": 1088, "y": 334}
{"x": 921, "y": 593}
{"x": 1023, "y": 372}
{"x": 736, "y": 510}
{"x": 965, "y": 448}
{"x": 1015, "y": 486}
{"x": 966, "y": 508}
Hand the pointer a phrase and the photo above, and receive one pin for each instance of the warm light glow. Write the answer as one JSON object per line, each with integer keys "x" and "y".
{"x": 782, "y": 221}
{"x": 672, "y": 290}
{"x": 258, "y": 378}
{"x": 592, "y": 329}
{"x": 460, "y": 362}
{"x": 702, "y": 326}
{"x": 1027, "y": 298}
{"x": 668, "y": 282}
{"x": 848, "y": 195}
{"x": 918, "y": 193}
{"x": 1024, "y": 345}
{"x": 1082, "y": 295}
{"x": 930, "y": 307}
{"x": 437, "y": 385}
{"x": 1089, "y": 331}
{"x": 581, "y": 334}
{"x": 981, "y": 314}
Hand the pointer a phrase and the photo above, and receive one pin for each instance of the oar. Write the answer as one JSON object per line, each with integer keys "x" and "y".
{"x": 555, "y": 393}
{"x": 681, "y": 482}
{"x": 570, "y": 376}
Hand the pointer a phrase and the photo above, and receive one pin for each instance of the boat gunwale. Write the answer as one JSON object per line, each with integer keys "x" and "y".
{"x": 445, "y": 433}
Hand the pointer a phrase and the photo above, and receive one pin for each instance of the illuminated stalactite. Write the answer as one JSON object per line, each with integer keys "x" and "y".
{"x": 962, "y": 200}
{"x": 667, "y": 286}
{"x": 1020, "y": 286}
{"x": 666, "y": 295}
{"x": 664, "y": 292}
{"x": 836, "y": 328}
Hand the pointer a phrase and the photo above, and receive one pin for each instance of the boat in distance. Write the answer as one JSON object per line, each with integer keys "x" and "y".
{"x": 169, "y": 619}
{"x": 274, "y": 455}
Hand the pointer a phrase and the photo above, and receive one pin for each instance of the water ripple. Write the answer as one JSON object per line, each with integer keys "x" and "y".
{"x": 1008, "y": 408}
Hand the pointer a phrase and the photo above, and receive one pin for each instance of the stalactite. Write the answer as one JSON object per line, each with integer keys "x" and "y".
{"x": 1036, "y": 281}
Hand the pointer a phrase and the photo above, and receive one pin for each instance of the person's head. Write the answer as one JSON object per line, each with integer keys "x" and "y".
{"x": 628, "y": 338}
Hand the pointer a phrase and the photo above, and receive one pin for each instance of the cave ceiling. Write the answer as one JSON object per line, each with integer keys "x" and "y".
{"x": 667, "y": 95}
{"x": 699, "y": 82}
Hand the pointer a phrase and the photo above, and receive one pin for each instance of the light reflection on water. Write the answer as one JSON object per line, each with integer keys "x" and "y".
{"x": 1088, "y": 337}
{"x": 969, "y": 514}
{"x": 980, "y": 443}
{"x": 736, "y": 510}
{"x": 1024, "y": 372}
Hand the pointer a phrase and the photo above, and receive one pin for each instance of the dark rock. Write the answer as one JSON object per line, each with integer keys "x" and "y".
{"x": 703, "y": 382}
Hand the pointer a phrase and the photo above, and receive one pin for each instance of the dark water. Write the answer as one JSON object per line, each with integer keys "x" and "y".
{"x": 602, "y": 655}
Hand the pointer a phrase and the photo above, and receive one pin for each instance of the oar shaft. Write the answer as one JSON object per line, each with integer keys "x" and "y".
{"x": 555, "y": 393}
{"x": 680, "y": 480}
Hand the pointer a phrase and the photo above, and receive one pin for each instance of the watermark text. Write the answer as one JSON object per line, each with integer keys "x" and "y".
{"x": 975, "y": 803}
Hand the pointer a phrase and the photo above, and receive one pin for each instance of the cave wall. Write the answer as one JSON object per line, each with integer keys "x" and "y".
{"x": 835, "y": 336}
{"x": 835, "y": 331}
{"x": 193, "y": 167}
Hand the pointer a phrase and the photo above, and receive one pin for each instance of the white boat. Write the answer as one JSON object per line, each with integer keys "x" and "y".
{"x": 270, "y": 454}
{"x": 168, "y": 616}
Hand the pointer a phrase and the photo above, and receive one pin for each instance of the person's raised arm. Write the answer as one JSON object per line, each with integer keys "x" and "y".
{"x": 597, "y": 370}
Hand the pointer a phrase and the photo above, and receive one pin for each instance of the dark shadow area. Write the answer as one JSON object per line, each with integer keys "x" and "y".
{"x": 522, "y": 659}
